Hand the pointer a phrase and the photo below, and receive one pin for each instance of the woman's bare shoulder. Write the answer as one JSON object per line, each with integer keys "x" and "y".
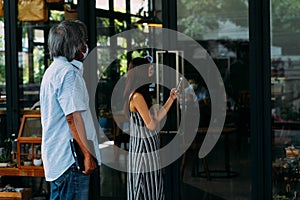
{"x": 137, "y": 99}
{"x": 137, "y": 95}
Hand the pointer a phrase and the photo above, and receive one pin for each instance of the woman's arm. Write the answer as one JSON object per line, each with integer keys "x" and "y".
{"x": 166, "y": 107}
{"x": 139, "y": 104}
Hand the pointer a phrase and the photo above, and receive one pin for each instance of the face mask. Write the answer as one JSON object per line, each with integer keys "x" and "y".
{"x": 194, "y": 86}
{"x": 85, "y": 54}
{"x": 153, "y": 69}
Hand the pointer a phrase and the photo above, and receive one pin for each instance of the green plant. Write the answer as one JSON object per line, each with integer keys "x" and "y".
{"x": 281, "y": 197}
{"x": 5, "y": 157}
{"x": 289, "y": 112}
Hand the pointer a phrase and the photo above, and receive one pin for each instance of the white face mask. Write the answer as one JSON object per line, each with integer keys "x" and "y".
{"x": 194, "y": 86}
{"x": 85, "y": 54}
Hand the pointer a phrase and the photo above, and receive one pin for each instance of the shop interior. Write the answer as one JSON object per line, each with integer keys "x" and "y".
{"x": 254, "y": 87}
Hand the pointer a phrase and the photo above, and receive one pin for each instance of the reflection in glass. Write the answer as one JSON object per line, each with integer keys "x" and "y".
{"x": 32, "y": 63}
{"x": 285, "y": 52}
{"x": 204, "y": 19}
{"x": 285, "y": 97}
{"x": 3, "y": 119}
{"x": 32, "y": 128}
{"x": 137, "y": 7}
{"x": 120, "y": 6}
{"x": 2, "y": 67}
{"x": 102, "y": 4}
{"x": 221, "y": 27}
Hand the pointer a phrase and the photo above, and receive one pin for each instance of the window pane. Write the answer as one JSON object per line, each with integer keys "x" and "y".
{"x": 285, "y": 96}
{"x": 102, "y": 4}
{"x": 120, "y": 6}
{"x": 31, "y": 63}
{"x": 3, "y": 118}
{"x": 138, "y": 7}
{"x": 213, "y": 19}
{"x": 102, "y": 31}
{"x": 2, "y": 66}
{"x": 221, "y": 27}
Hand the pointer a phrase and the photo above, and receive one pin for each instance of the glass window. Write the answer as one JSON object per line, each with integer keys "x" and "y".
{"x": 285, "y": 97}
{"x": 3, "y": 131}
{"x": 109, "y": 73}
{"x": 31, "y": 63}
{"x": 221, "y": 27}
{"x": 120, "y": 6}
{"x": 102, "y": 4}
{"x": 103, "y": 31}
{"x": 138, "y": 7}
{"x": 2, "y": 65}
{"x": 213, "y": 19}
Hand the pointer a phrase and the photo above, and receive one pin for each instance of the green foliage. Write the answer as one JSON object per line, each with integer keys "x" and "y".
{"x": 5, "y": 157}
{"x": 285, "y": 25}
{"x": 281, "y": 197}
{"x": 289, "y": 112}
{"x": 197, "y": 18}
{"x": 56, "y": 15}
{"x": 285, "y": 16}
{"x": 2, "y": 71}
{"x": 7, "y": 145}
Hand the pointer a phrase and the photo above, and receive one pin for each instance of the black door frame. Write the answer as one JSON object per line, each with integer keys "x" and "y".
{"x": 260, "y": 99}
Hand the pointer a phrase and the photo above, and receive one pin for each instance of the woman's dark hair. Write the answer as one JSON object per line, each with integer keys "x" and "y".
{"x": 65, "y": 39}
{"x": 133, "y": 79}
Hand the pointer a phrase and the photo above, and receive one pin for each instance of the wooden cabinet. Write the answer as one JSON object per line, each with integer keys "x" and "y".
{"x": 29, "y": 142}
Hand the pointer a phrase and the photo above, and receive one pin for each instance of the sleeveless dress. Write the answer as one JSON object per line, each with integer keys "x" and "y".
{"x": 144, "y": 178}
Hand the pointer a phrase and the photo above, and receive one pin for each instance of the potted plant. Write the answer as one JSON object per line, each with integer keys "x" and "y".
{"x": 5, "y": 158}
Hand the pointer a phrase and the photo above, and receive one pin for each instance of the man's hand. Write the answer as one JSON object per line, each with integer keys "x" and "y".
{"x": 89, "y": 164}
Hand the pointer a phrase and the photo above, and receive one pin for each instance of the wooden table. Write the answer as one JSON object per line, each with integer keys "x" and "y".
{"x": 26, "y": 194}
{"x": 7, "y": 171}
{"x": 22, "y": 112}
{"x": 226, "y": 172}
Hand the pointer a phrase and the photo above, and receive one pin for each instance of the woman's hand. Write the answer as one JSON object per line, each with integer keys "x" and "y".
{"x": 174, "y": 93}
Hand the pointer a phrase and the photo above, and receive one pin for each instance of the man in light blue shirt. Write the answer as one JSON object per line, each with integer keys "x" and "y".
{"x": 65, "y": 115}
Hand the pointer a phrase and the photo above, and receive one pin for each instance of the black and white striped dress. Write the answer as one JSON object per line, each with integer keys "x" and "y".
{"x": 143, "y": 181}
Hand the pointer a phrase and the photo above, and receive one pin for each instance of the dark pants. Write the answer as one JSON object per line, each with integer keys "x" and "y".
{"x": 71, "y": 185}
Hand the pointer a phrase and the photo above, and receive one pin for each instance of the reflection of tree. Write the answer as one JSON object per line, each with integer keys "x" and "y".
{"x": 285, "y": 25}
{"x": 197, "y": 18}
{"x": 285, "y": 15}
{"x": 235, "y": 11}
{"x": 2, "y": 61}
{"x": 2, "y": 70}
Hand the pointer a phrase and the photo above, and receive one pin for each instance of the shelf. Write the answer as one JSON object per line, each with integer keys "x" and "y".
{"x": 30, "y": 171}
{"x": 29, "y": 142}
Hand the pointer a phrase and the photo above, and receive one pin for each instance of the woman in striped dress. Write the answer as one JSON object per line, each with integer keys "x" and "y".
{"x": 144, "y": 178}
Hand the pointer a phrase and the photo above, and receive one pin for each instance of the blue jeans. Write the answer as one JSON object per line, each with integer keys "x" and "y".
{"x": 71, "y": 185}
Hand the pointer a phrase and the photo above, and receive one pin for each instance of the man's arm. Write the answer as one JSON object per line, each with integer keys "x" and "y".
{"x": 77, "y": 128}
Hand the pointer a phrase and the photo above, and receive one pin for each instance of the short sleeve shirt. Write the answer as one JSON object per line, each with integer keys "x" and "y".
{"x": 62, "y": 92}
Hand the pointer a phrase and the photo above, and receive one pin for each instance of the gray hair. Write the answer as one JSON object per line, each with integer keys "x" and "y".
{"x": 83, "y": 29}
{"x": 65, "y": 39}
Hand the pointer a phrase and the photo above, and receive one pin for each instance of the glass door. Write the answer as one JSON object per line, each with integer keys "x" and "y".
{"x": 222, "y": 29}
{"x": 285, "y": 98}
{"x": 2, "y": 77}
